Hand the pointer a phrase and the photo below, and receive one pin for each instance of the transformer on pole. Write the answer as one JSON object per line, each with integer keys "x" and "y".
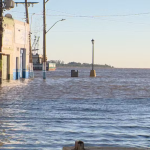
{"x": 9, "y": 4}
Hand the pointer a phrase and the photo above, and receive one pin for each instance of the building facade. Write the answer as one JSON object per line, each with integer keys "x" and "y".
{"x": 15, "y": 49}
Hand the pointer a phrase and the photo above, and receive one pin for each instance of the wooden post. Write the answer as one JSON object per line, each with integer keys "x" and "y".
{"x": 79, "y": 145}
{"x": 1, "y": 36}
{"x": 44, "y": 40}
{"x": 30, "y": 49}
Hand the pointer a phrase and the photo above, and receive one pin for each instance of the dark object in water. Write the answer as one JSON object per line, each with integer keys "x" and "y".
{"x": 74, "y": 73}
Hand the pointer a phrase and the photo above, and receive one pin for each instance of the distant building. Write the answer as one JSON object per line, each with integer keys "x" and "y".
{"x": 15, "y": 49}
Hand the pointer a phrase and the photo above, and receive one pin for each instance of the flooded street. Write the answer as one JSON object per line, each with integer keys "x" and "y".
{"x": 109, "y": 110}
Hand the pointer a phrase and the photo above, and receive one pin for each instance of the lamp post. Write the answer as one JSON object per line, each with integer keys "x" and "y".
{"x": 31, "y": 21}
{"x": 93, "y": 72}
{"x": 31, "y": 73}
{"x": 92, "y": 54}
{"x": 31, "y": 27}
{"x": 44, "y": 40}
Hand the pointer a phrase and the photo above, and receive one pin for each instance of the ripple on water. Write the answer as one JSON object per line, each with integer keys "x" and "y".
{"x": 109, "y": 110}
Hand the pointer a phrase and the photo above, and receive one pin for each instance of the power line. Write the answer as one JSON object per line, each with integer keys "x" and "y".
{"x": 101, "y": 17}
{"x": 122, "y": 15}
{"x": 90, "y": 16}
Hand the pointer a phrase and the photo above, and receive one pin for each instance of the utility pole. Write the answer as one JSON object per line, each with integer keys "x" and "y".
{"x": 44, "y": 37}
{"x": 31, "y": 75}
{"x": 27, "y": 4}
{"x": 44, "y": 40}
{"x": 1, "y": 36}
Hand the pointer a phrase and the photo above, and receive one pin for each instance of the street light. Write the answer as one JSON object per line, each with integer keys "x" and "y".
{"x": 31, "y": 20}
{"x": 93, "y": 72}
{"x": 55, "y": 24}
{"x": 31, "y": 27}
{"x": 44, "y": 41}
{"x": 92, "y": 54}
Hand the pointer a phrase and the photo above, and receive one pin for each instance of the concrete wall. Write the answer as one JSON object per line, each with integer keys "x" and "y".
{"x": 15, "y": 39}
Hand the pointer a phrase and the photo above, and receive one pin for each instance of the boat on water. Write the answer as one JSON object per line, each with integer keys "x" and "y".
{"x": 38, "y": 63}
{"x": 51, "y": 66}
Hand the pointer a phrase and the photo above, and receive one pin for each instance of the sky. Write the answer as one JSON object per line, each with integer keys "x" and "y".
{"x": 120, "y": 28}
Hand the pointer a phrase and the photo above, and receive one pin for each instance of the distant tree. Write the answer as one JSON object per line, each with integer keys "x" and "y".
{"x": 74, "y": 63}
{"x": 60, "y": 63}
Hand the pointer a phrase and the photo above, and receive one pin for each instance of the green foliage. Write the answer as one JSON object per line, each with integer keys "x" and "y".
{"x": 60, "y": 63}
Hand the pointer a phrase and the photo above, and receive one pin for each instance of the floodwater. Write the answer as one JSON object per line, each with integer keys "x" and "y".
{"x": 112, "y": 109}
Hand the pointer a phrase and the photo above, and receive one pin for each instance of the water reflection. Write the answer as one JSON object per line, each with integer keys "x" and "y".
{"x": 109, "y": 110}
